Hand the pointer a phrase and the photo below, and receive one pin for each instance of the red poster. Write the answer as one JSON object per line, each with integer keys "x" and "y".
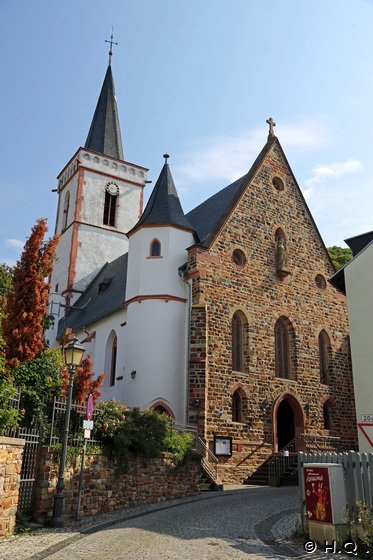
{"x": 318, "y": 499}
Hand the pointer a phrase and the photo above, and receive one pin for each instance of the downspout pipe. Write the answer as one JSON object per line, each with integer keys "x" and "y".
{"x": 182, "y": 270}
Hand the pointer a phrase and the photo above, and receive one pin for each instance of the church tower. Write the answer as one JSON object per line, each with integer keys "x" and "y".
{"x": 99, "y": 199}
{"x": 157, "y": 302}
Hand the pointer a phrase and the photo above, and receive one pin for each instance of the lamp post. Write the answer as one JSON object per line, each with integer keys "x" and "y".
{"x": 73, "y": 354}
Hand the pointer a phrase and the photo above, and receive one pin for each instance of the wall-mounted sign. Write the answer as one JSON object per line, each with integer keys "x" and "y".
{"x": 222, "y": 446}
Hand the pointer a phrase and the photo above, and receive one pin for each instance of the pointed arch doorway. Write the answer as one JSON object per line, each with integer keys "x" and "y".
{"x": 288, "y": 421}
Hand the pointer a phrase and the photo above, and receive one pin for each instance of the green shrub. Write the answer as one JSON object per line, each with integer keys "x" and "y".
{"x": 179, "y": 445}
{"x": 123, "y": 431}
{"x": 142, "y": 432}
{"x": 9, "y": 417}
{"x": 110, "y": 415}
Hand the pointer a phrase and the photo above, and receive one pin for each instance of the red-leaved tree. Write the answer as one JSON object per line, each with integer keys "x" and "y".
{"x": 27, "y": 303}
{"x": 85, "y": 382}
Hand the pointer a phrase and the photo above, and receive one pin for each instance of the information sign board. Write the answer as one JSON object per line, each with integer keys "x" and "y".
{"x": 222, "y": 446}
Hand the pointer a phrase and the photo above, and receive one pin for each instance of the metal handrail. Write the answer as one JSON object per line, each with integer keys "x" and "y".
{"x": 208, "y": 459}
{"x": 287, "y": 459}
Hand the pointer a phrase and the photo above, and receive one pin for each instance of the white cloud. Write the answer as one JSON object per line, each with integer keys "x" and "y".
{"x": 226, "y": 158}
{"x": 16, "y": 244}
{"x": 307, "y": 193}
{"x": 335, "y": 170}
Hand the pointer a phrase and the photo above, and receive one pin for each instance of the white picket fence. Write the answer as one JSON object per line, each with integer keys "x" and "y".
{"x": 357, "y": 469}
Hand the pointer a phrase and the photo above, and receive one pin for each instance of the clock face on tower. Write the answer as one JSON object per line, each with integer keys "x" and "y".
{"x": 112, "y": 188}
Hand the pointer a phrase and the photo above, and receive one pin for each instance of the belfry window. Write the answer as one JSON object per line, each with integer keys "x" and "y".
{"x": 110, "y": 208}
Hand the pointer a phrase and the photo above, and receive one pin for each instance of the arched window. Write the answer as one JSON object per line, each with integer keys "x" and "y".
{"x": 113, "y": 365}
{"x": 111, "y": 358}
{"x": 324, "y": 356}
{"x": 66, "y": 210}
{"x": 161, "y": 410}
{"x": 155, "y": 248}
{"x": 239, "y": 341}
{"x": 110, "y": 208}
{"x": 326, "y": 414}
{"x": 284, "y": 349}
{"x": 237, "y": 406}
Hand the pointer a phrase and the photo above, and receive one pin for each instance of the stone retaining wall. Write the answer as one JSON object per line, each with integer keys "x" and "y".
{"x": 144, "y": 481}
{"x": 11, "y": 452}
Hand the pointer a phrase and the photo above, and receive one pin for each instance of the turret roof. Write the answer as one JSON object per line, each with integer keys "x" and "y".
{"x": 163, "y": 207}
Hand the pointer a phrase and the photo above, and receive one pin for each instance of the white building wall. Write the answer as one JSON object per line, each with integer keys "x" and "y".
{"x": 71, "y": 188}
{"x": 128, "y": 206}
{"x": 97, "y": 350}
{"x": 154, "y": 346}
{"x": 153, "y": 275}
{"x": 96, "y": 247}
{"x": 152, "y": 343}
{"x": 359, "y": 290}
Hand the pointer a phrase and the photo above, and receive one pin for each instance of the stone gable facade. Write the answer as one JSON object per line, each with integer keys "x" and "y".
{"x": 299, "y": 293}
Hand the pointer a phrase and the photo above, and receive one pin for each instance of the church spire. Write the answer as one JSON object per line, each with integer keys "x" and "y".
{"x": 104, "y": 135}
{"x": 164, "y": 206}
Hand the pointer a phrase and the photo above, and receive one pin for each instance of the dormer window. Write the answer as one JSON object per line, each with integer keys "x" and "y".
{"x": 104, "y": 285}
{"x": 110, "y": 206}
{"x": 155, "y": 248}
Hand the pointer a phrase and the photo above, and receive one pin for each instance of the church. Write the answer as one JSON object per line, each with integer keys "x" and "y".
{"x": 223, "y": 317}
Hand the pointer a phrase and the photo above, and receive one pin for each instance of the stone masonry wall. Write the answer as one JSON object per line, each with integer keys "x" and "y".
{"x": 264, "y": 296}
{"x": 145, "y": 481}
{"x": 11, "y": 452}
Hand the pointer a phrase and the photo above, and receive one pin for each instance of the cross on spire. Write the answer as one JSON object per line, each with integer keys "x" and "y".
{"x": 111, "y": 45}
{"x": 271, "y": 124}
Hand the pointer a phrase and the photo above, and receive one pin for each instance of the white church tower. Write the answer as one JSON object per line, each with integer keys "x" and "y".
{"x": 99, "y": 199}
{"x": 157, "y": 302}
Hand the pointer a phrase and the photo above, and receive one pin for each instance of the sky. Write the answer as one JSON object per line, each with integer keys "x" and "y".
{"x": 195, "y": 78}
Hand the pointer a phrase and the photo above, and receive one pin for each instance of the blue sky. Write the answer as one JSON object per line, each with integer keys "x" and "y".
{"x": 196, "y": 78}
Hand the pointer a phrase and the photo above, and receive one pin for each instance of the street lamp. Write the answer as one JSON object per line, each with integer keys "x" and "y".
{"x": 73, "y": 354}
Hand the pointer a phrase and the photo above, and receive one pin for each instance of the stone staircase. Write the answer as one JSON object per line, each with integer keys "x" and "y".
{"x": 260, "y": 477}
{"x": 209, "y": 463}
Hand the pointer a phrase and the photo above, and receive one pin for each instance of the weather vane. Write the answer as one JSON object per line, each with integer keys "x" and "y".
{"x": 111, "y": 45}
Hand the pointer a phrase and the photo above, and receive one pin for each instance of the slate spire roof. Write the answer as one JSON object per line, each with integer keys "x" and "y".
{"x": 163, "y": 207}
{"x": 104, "y": 135}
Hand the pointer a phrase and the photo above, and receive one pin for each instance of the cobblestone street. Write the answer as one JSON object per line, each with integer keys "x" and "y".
{"x": 252, "y": 523}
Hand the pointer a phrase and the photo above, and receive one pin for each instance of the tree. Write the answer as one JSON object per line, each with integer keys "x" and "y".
{"x": 27, "y": 302}
{"x": 85, "y": 382}
{"x": 340, "y": 255}
{"x": 6, "y": 282}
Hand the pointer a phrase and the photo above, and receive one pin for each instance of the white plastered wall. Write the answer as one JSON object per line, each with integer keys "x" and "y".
{"x": 359, "y": 290}
{"x": 157, "y": 275}
{"x": 154, "y": 345}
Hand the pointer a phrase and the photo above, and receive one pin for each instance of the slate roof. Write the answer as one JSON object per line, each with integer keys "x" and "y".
{"x": 104, "y": 135}
{"x": 164, "y": 206}
{"x": 104, "y": 295}
{"x": 208, "y": 217}
{"x": 358, "y": 242}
